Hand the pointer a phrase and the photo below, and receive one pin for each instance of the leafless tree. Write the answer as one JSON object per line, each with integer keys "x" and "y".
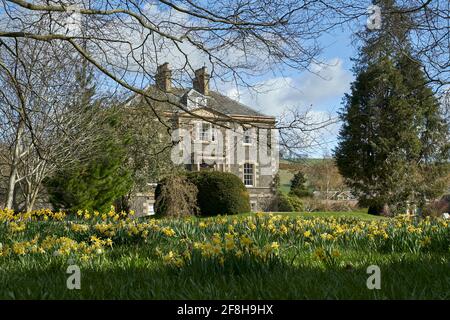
{"x": 303, "y": 131}
{"x": 42, "y": 126}
{"x": 237, "y": 39}
{"x": 324, "y": 177}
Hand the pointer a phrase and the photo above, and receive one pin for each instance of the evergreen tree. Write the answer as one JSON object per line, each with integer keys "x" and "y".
{"x": 94, "y": 185}
{"x": 98, "y": 178}
{"x": 298, "y": 185}
{"x": 394, "y": 141}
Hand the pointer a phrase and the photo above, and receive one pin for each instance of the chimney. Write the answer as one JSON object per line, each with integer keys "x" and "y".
{"x": 164, "y": 77}
{"x": 201, "y": 81}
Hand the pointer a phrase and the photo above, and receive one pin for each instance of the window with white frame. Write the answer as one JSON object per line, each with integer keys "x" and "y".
{"x": 247, "y": 136}
{"x": 213, "y": 133}
{"x": 249, "y": 174}
{"x": 205, "y": 131}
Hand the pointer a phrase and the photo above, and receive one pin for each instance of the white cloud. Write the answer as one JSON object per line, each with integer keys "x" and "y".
{"x": 318, "y": 88}
{"x": 318, "y": 93}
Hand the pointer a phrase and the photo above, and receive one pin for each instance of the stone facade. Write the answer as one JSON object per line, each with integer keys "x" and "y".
{"x": 228, "y": 150}
{"x": 217, "y": 133}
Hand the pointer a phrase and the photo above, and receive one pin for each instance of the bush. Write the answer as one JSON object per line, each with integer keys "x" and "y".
{"x": 296, "y": 203}
{"x": 219, "y": 193}
{"x": 284, "y": 205}
{"x": 91, "y": 185}
{"x": 287, "y": 203}
{"x": 175, "y": 196}
{"x": 438, "y": 207}
{"x": 301, "y": 193}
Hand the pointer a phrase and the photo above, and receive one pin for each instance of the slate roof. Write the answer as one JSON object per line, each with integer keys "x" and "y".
{"x": 216, "y": 101}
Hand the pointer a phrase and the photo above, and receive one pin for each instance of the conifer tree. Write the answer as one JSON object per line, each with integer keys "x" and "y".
{"x": 93, "y": 185}
{"x": 393, "y": 144}
{"x": 99, "y": 177}
{"x": 298, "y": 186}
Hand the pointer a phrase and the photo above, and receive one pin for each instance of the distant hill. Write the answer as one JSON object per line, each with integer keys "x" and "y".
{"x": 289, "y": 167}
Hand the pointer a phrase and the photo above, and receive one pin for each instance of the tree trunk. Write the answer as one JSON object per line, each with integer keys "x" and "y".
{"x": 11, "y": 187}
{"x": 31, "y": 201}
{"x": 14, "y": 164}
{"x": 33, "y": 186}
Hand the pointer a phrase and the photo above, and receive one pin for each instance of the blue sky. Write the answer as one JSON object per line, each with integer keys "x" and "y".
{"x": 300, "y": 89}
{"x": 305, "y": 90}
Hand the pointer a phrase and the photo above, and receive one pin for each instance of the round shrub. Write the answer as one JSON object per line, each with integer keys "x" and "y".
{"x": 301, "y": 193}
{"x": 296, "y": 203}
{"x": 284, "y": 203}
{"x": 219, "y": 193}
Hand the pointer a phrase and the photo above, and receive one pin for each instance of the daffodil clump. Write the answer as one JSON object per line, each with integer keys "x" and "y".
{"x": 56, "y": 234}
{"x": 267, "y": 237}
{"x": 7, "y": 215}
{"x": 56, "y": 246}
{"x": 221, "y": 241}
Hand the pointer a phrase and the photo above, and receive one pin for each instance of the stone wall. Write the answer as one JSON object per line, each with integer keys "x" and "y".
{"x": 143, "y": 204}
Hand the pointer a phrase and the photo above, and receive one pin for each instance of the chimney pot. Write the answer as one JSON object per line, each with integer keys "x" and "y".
{"x": 164, "y": 77}
{"x": 201, "y": 81}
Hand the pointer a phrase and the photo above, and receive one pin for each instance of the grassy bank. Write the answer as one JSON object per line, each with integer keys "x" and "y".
{"x": 284, "y": 256}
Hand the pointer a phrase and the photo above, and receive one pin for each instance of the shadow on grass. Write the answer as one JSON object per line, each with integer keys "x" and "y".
{"x": 427, "y": 278}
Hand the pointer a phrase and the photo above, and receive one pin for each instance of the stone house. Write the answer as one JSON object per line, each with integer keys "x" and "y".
{"x": 215, "y": 132}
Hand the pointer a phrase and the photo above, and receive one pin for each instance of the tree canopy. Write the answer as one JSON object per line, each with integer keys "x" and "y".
{"x": 394, "y": 142}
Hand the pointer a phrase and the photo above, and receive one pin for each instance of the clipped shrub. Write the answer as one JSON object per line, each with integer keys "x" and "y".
{"x": 296, "y": 203}
{"x": 219, "y": 193}
{"x": 289, "y": 203}
{"x": 175, "y": 197}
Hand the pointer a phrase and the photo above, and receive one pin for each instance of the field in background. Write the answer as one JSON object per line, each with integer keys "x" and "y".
{"x": 288, "y": 168}
{"x": 285, "y": 180}
{"x": 286, "y": 172}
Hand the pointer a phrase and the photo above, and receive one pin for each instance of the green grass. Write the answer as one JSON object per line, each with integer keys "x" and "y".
{"x": 285, "y": 180}
{"x": 287, "y": 173}
{"x": 134, "y": 273}
{"x": 360, "y": 214}
{"x": 133, "y": 268}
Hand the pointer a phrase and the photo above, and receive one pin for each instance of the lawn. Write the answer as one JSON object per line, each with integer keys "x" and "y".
{"x": 285, "y": 180}
{"x": 262, "y": 256}
{"x": 359, "y": 214}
